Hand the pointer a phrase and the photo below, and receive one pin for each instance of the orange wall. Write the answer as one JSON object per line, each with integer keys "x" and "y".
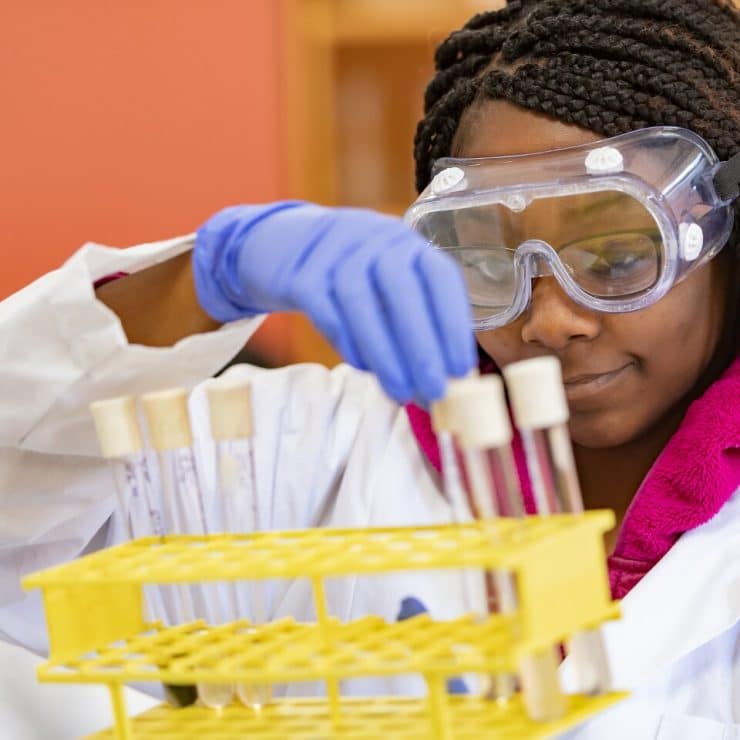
{"x": 131, "y": 120}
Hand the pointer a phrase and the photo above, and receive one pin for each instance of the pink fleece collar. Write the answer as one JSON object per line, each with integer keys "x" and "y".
{"x": 697, "y": 472}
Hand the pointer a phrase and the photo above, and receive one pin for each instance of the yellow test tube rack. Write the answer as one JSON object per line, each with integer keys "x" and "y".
{"x": 98, "y": 632}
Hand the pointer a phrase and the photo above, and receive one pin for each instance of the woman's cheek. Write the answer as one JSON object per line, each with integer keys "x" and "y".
{"x": 503, "y": 345}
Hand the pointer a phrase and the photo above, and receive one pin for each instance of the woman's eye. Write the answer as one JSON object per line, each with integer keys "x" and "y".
{"x": 611, "y": 254}
{"x": 496, "y": 269}
{"x": 491, "y": 269}
{"x": 614, "y": 264}
{"x": 486, "y": 263}
{"x": 611, "y": 262}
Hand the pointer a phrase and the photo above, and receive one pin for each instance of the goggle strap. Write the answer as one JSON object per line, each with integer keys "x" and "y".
{"x": 727, "y": 178}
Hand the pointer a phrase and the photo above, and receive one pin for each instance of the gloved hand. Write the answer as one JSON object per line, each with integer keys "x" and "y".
{"x": 387, "y": 301}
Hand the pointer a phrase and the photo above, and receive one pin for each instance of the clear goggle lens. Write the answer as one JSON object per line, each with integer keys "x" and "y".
{"x": 607, "y": 243}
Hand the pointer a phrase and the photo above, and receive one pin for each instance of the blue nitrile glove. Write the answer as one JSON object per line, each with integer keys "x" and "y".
{"x": 412, "y": 607}
{"x": 387, "y": 301}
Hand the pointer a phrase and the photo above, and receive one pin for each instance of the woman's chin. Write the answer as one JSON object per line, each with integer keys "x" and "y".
{"x": 602, "y": 430}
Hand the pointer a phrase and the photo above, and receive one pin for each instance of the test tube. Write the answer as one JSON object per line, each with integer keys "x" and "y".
{"x": 117, "y": 427}
{"x": 452, "y": 480}
{"x": 183, "y": 508}
{"x": 484, "y": 432}
{"x": 480, "y": 417}
{"x": 473, "y": 581}
{"x": 230, "y": 411}
{"x": 540, "y": 408}
{"x": 483, "y": 429}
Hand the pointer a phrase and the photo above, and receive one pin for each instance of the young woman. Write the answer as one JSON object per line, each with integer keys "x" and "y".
{"x": 567, "y": 225}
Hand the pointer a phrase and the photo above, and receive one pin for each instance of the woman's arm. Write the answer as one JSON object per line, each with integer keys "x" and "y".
{"x": 158, "y": 306}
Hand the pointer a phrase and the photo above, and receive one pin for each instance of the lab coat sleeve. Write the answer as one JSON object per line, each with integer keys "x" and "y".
{"x": 61, "y": 349}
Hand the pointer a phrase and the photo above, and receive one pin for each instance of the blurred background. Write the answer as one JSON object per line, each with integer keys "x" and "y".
{"x": 127, "y": 121}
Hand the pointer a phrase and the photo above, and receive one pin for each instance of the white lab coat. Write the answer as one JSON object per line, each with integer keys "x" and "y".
{"x": 331, "y": 449}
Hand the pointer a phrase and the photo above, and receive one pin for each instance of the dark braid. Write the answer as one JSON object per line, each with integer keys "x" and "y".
{"x": 466, "y": 69}
{"x": 708, "y": 25}
{"x": 610, "y": 66}
{"x": 583, "y": 32}
{"x": 436, "y": 133}
{"x": 707, "y": 22}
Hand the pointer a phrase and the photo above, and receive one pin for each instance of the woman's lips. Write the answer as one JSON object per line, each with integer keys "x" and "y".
{"x": 578, "y": 387}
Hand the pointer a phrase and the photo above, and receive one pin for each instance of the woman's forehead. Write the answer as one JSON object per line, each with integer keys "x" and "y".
{"x": 492, "y": 128}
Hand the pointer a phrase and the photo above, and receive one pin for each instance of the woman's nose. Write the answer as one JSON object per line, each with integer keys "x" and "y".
{"x": 553, "y": 320}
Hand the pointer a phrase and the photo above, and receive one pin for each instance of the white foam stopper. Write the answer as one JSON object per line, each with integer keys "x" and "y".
{"x": 438, "y": 412}
{"x": 230, "y": 408}
{"x": 536, "y": 392}
{"x": 167, "y": 419}
{"x": 476, "y": 408}
{"x": 117, "y": 426}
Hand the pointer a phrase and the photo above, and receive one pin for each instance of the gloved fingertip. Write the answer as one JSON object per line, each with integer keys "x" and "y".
{"x": 456, "y": 686}
{"x": 438, "y": 385}
{"x": 399, "y": 392}
{"x": 434, "y": 389}
{"x": 461, "y": 366}
{"x": 410, "y": 607}
{"x": 465, "y": 359}
{"x": 344, "y": 346}
{"x": 349, "y": 355}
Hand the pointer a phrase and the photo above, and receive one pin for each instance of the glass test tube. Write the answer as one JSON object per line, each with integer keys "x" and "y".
{"x": 481, "y": 420}
{"x": 117, "y": 427}
{"x": 473, "y": 580}
{"x": 230, "y": 410}
{"x": 541, "y": 412}
{"x": 454, "y": 490}
{"x": 184, "y": 512}
{"x": 479, "y": 415}
{"x": 452, "y": 481}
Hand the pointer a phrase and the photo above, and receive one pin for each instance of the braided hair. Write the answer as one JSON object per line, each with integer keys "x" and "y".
{"x": 610, "y": 66}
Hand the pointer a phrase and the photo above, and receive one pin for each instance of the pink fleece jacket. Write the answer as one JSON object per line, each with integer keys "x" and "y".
{"x": 697, "y": 471}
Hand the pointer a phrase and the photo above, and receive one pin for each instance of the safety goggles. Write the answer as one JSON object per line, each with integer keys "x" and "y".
{"x": 617, "y": 223}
